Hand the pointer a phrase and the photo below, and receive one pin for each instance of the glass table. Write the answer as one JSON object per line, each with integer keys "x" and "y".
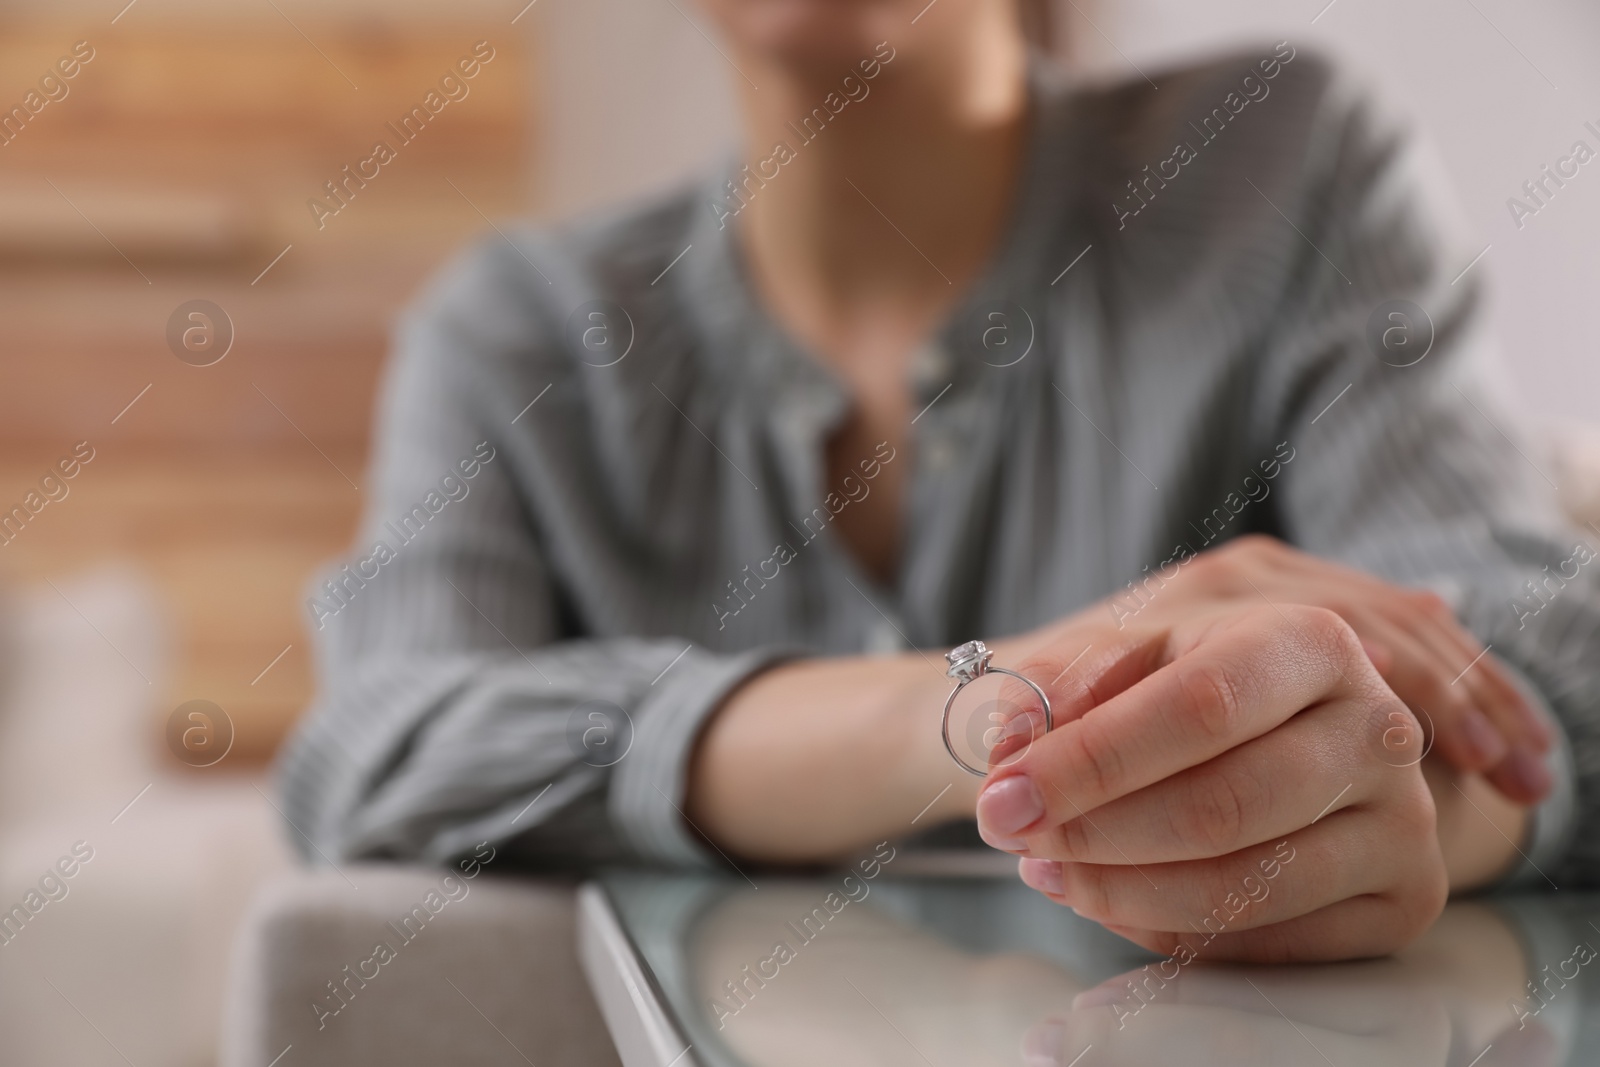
{"x": 943, "y": 972}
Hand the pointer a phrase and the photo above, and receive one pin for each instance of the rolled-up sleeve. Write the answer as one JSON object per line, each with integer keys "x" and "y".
{"x": 647, "y": 793}
{"x": 1407, "y": 462}
{"x": 458, "y": 700}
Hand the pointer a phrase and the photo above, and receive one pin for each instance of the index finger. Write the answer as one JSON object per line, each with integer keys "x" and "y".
{"x": 1235, "y": 679}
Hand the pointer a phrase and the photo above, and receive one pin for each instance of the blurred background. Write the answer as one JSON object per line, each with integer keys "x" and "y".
{"x": 176, "y": 164}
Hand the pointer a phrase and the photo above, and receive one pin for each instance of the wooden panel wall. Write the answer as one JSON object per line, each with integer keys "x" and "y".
{"x": 178, "y": 166}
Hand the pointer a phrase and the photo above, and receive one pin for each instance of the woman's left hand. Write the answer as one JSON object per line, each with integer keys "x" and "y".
{"x": 1479, "y": 719}
{"x": 1250, "y": 794}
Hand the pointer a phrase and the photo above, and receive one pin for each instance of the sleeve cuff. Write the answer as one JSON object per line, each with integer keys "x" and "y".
{"x": 1552, "y": 824}
{"x": 648, "y": 785}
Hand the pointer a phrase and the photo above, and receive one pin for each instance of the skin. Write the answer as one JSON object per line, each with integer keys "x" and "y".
{"x": 1412, "y": 638}
{"x": 1258, "y": 738}
{"x": 1258, "y": 674}
{"x": 943, "y": 123}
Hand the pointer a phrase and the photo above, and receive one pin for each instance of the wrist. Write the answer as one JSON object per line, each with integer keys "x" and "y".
{"x": 931, "y": 777}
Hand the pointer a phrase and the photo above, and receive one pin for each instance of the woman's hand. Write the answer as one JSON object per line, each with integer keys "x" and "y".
{"x": 1479, "y": 719}
{"x": 1243, "y": 775}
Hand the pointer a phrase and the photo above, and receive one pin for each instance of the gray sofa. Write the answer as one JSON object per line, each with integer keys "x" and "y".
{"x": 491, "y": 977}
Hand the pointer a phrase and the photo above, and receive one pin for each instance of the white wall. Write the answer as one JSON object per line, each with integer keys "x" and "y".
{"x": 635, "y": 97}
{"x": 1492, "y": 116}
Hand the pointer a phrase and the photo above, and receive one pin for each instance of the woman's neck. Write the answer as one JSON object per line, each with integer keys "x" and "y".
{"x": 869, "y": 204}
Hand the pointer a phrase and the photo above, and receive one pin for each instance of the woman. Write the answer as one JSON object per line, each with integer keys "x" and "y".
{"x": 675, "y": 509}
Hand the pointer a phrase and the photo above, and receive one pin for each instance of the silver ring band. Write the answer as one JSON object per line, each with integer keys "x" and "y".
{"x": 968, "y": 663}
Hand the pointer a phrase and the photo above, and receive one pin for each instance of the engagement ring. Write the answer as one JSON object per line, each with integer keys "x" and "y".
{"x": 968, "y": 663}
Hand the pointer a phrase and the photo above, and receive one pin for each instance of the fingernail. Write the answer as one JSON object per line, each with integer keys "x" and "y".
{"x": 1042, "y": 1045}
{"x": 1043, "y": 875}
{"x": 1004, "y": 844}
{"x": 1008, "y": 807}
{"x": 1528, "y": 771}
{"x": 1482, "y": 739}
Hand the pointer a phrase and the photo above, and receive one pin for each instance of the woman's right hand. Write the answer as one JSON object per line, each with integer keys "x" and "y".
{"x": 1221, "y": 746}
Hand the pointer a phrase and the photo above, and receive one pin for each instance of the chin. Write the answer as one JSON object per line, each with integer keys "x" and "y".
{"x": 810, "y": 32}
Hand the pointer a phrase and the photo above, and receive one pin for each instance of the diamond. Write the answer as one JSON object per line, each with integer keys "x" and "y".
{"x": 970, "y": 650}
{"x": 967, "y": 661}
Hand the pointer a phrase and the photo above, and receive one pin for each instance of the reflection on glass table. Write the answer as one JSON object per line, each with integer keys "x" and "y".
{"x": 844, "y": 970}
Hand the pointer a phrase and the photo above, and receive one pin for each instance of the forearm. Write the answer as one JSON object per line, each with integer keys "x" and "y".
{"x": 808, "y": 761}
{"x": 1479, "y": 829}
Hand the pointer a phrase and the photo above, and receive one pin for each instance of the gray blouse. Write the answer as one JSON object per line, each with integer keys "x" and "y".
{"x": 598, "y": 500}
